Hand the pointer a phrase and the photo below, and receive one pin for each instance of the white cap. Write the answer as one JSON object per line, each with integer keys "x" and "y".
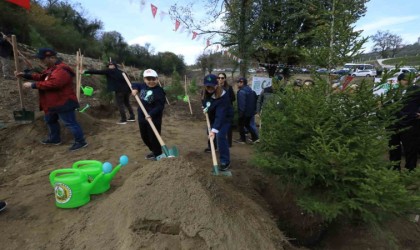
{"x": 150, "y": 72}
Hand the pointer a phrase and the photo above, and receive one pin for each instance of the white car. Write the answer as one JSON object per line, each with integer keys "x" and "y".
{"x": 252, "y": 71}
{"x": 365, "y": 73}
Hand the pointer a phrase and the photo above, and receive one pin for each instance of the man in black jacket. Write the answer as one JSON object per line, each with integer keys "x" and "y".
{"x": 5, "y": 52}
{"x": 407, "y": 129}
{"x": 116, "y": 82}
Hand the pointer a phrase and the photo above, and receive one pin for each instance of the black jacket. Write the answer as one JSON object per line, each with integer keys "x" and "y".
{"x": 114, "y": 79}
{"x": 6, "y": 48}
{"x": 153, "y": 100}
{"x": 410, "y": 108}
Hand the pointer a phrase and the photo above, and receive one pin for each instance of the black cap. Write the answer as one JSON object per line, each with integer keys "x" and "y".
{"x": 243, "y": 79}
{"x": 402, "y": 76}
{"x": 45, "y": 52}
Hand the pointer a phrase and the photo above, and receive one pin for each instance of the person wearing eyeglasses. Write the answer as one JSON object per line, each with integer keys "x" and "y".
{"x": 116, "y": 82}
{"x": 152, "y": 96}
{"x": 218, "y": 106}
{"x": 247, "y": 100}
{"x": 221, "y": 79}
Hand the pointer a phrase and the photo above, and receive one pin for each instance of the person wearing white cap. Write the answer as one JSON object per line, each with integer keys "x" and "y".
{"x": 152, "y": 96}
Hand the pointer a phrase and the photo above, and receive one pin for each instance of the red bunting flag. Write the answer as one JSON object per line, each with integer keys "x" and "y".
{"x": 22, "y": 3}
{"x": 177, "y": 23}
{"x": 154, "y": 10}
{"x": 194, "y": 35}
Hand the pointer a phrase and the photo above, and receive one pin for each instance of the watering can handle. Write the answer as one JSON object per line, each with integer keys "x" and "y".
{"x": 63, "y": 171}
{"x": 84, "y": 162}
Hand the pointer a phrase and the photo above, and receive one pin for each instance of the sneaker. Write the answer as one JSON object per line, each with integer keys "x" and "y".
{"x": 50, "y": 142}
{"x": 224, "y": 166}
{"x": 150, "y": 156}
{"x": 78, "y": 145}
{"x": 3, "y": 205}
{"x": 131, "y": 119}
{"x": 240, "y": 141}
{"x": 122, "y": 122}
{"x": 254, "y": 141}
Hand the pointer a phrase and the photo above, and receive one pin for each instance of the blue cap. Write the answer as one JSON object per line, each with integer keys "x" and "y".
{"x": 244, "y": 80}
{"x": 210, "y": 80}
{"x": 45, "y": 52}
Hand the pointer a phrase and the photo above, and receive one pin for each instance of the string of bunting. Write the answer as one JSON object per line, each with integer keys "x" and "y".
{"x": 206, "y": 40}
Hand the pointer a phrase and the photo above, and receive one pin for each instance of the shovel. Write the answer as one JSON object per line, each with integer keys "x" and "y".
{"x": 20, "y": 115}
{"x": 167, "y": 152}
{"x": 213, "y": 151}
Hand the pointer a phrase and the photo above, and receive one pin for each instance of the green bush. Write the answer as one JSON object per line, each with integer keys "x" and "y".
{"x": 331, "y": 147}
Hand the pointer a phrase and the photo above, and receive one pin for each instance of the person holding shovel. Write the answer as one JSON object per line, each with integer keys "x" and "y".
{"x": 56, "y": 97}
{"x": 218, "y": 106}
{"x": 116, "y": 82}
{"x": 5, "y": 52}
{"x": 152, "y": 96}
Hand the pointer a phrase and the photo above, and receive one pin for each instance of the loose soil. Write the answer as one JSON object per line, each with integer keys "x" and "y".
{"x": 175, "y": 203}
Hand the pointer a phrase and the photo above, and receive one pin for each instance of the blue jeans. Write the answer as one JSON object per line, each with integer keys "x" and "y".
{"x": 223, "y": 145}
{"x": 253, "y": 126}
{"x": 69, "y": 120}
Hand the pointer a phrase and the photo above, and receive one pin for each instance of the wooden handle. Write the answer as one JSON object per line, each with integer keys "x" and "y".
{"x": 213, "y": 151}
{"x": 15, "y": 55}
{"x": 145, "y": 112}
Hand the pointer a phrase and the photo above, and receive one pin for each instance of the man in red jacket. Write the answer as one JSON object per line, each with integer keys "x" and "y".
{"x": 56, "y": 97}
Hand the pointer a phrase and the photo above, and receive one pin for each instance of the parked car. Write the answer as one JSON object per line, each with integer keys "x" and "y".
{"x": 365, "y": 73}
{"x": 322, "y": 71}
{"x": 252, "y": 71}
{"x": 342, "y": 72}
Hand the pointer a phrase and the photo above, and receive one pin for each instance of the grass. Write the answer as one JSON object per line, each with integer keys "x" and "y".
{"x": 406, "y": 61}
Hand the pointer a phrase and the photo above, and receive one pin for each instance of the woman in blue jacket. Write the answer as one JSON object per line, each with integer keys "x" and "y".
{"x": 217, "y": 104}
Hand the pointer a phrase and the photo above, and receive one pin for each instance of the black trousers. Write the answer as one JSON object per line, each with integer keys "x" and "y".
{"x": 123, "y": 100}
{"x": 409, "y": 140}
{"x": 148, "y": 136}
{"x": 245, "y": 122}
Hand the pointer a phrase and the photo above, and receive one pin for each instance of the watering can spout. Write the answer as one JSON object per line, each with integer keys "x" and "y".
{"x": 90, "y": 186}
{"x": 111, "y": 174}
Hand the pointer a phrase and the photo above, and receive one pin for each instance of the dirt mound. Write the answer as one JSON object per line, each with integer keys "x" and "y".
{"x": 174, "y": 203}
{"x": 170, "y": 205}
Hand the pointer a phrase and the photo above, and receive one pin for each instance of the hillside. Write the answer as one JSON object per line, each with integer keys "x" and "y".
{"x": 171, "y": 204}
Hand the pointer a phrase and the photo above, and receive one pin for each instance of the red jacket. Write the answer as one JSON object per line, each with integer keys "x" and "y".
{"x": 56, "y": 90}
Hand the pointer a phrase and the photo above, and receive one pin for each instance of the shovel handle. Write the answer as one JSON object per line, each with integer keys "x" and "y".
{"x": 162, "y": 144}
{"x": 213, "y": 151}
{"x": 15, "y": 55}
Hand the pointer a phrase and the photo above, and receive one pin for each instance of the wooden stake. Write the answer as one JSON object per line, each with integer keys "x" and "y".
{"x": 186, "y": 94}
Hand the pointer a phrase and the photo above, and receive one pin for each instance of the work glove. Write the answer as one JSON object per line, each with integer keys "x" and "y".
{"x": 84, "y": 73}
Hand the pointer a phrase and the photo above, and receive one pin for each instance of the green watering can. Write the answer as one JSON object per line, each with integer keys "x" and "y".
{"x": 94, "y": 168}
{"x": 71, "y": 187}
{"x": 87, "y": 90}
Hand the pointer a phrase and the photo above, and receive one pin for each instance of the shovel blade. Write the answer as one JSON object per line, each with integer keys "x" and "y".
{"x": 168, "y": 152}
{"x": 24, "y": 116}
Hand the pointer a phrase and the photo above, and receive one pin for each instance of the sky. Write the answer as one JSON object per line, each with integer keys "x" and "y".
{"x": 137, "y": 25}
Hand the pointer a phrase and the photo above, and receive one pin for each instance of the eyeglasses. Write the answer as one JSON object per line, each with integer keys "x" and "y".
{"x": 150, "y": 78}
{"x": 222, "y": 78}
{"x": 240, "y": 81}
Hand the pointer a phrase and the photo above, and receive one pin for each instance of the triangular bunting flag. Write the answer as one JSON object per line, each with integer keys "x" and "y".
{"x": 142, "y": 5}
{"x": 154, "y": 10}
{"x": 163, "y": 14}
{"x": 208, "y": 42}
{"x": 22, "y": 3}
{"x": 194, "y": 35}
{"x": 177, "y": 23}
